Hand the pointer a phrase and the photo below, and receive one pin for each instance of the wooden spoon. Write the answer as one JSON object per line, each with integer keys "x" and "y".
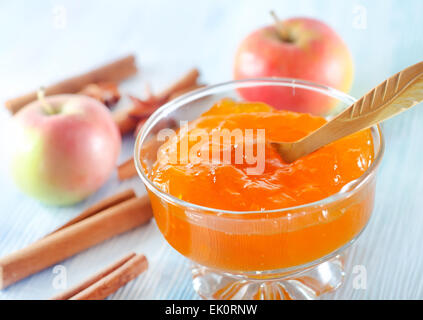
{"x": 393, "y": 96}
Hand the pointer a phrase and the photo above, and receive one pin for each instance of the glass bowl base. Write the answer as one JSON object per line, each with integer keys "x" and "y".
{"x": 306, "y": 284}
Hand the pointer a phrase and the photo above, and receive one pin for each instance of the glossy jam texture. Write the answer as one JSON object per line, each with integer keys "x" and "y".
{"x": 281, "y": 185}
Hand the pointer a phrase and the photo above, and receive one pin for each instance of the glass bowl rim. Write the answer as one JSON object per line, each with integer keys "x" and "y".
{"x": 283, "y": 82}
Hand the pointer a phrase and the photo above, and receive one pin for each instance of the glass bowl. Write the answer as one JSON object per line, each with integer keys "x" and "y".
{"x": 291, "y": 253}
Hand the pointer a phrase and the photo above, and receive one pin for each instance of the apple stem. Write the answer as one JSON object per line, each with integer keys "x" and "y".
{"x": 41, "y": 97}
{"x": 280, "y": 28}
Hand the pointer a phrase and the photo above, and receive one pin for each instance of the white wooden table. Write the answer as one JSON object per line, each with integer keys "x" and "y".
{"x": 43, "y": 41}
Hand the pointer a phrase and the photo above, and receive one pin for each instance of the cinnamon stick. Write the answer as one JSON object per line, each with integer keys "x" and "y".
{"x": 73, "y": 239}
{"x": 124, "y": 121}
{"x": 114, "y": 72}
{"x": 186, "y": 90}
{"x": 187, "y": 80}
{"x": 106, "y": 92}
{"x": 89, "y": 282}
{"x": 98, "y": 207}
{"x": 127, "y": 169}
{"x": 107, "y": 281}
{"x": 127, "y": 120}
{"x": 112, "y": 282}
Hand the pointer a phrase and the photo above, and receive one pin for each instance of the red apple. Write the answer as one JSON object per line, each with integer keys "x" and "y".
{"x": 66, "y": 146}
{"x": 300, "y": 48}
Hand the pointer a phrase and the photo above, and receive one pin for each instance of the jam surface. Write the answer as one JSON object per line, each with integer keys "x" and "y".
{"x": 228, "y": 186}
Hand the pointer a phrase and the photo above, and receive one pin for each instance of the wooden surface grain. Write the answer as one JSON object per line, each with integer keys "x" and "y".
{"x": 45, "y": 41}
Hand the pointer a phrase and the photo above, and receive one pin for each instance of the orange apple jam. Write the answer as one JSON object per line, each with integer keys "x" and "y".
{"x": 261, "y": 240}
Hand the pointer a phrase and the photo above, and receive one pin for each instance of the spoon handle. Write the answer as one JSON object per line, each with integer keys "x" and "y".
{"x": 393, "y": 96}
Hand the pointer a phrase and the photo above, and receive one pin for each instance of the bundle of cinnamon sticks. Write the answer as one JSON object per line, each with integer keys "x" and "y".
{"x": 107, "y": 281}
{"x": 101, "y": 84}
{"x": 133, "y": 118}
{"x": 142, "y": 109}
{"x": 114, "y": 72}
{"x": 111, "y": 216}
